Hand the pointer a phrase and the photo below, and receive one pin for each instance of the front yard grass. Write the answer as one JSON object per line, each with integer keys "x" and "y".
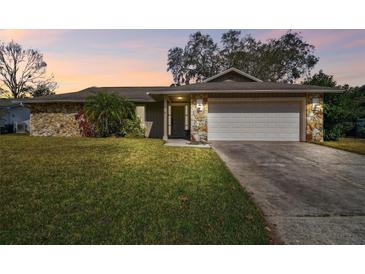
{"x": 348, "y": 144}
{"x": 120, "y": 191}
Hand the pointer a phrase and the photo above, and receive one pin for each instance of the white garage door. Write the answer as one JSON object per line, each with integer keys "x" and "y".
{"x": 253, "y": 121}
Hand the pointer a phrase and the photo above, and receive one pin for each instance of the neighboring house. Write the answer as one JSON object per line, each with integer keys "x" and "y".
{"x": 14, "y": 117}
{"x": 229, "y": 106}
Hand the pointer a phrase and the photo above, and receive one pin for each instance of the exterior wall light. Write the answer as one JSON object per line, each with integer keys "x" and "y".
{"x": 199, "y": 105}
{"x": 315, "y": 102}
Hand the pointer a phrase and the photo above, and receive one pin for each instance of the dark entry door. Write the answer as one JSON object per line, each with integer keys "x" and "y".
{"x": 177, "y": 122}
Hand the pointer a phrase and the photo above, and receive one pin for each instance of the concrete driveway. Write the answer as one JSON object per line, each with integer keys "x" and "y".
{"x": 310, "y": 194}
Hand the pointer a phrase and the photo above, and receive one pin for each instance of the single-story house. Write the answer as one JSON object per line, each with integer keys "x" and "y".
{"x": 231, "y": 105}
{"x": 14, "y": 117}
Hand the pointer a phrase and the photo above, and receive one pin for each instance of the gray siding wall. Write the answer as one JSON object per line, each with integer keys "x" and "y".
{"x": 154, "y": 113}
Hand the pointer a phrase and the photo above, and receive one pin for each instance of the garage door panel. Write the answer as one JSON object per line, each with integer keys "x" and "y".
{"x": 266, "y": 121}
{"x": 253, "y": 137}
{"x": 252, "y": 114}
{"x": 253, "y": 107}
{"x": 247, "y": 118}
{"x": 245, "y": 121}
{"x": 267, "y": 130}
{"x": 268, "y": 126}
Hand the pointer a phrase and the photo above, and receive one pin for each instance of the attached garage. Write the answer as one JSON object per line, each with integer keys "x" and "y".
{"x": 256, "y": 120}
{"x": 231, "y": 105}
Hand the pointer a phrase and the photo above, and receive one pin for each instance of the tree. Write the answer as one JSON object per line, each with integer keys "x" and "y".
{"x": 108, "y": 112}
{"x": 341, "y": 110}
{"x": 232, "y": 46}
{"x": 44, "y": 89}
{"x": 198, "y": 60}
{"x": 201, "y": 56}
{"x": 321, "y": 79}
{"x": 22, "y": 70}
{"x": 289, "y": 58}
{"x": 285, "y": 59}
{"x": 176, "y": 65}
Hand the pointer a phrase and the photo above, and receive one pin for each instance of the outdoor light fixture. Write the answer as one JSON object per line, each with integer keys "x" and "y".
{"x": 315, "y": 103}
{"x": 179, "y": 98}
{"x": 199, "y": 105}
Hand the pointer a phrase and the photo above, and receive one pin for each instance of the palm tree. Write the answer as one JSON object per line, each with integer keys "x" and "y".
{"x": 107, "y": 112}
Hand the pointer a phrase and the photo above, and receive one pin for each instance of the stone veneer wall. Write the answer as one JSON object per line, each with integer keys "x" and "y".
{"x": 55, "y": 119}
{"x": 199, "y": 119}
{"x": 314, "y": 109}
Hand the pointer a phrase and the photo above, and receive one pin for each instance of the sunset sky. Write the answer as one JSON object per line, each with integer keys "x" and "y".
{"x": 84, "y": 58}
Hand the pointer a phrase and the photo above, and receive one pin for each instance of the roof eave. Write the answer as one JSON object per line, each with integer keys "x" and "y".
{"x": 78, "y": 101}
{"x": 244, "y": 91}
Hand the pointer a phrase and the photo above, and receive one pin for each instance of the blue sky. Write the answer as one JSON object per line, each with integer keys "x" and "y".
{"x": 83, "y": 58}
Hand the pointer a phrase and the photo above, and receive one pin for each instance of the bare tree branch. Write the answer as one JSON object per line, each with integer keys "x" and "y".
{"x": 23, "y": 71}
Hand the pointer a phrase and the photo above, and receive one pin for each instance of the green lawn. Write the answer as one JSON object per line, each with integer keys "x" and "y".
{"x": 120, "y": 191}
{"x": 348, "y": 144}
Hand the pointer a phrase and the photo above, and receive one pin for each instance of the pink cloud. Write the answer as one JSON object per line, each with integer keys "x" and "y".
{"x": 126, "y": 45}
{"x": 346, "y": 70}
{"x": 32, "y": 38}
{"x": 356, "y": 43}
{"x": 140, "y": 46}
{"x": 14, "y": 34}
{"x": 74, "y": 73}
{"x": 322, "y": 39}
{"x": 275, "y": 33}
{"x": 319, "y": 38}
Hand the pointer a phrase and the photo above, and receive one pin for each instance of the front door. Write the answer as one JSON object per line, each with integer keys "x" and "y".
{"x": 177, "y": 122}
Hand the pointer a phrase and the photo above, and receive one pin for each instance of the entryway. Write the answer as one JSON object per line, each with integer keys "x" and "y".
{"x": 178, "y": 122}
{"x": 178, "y": 117}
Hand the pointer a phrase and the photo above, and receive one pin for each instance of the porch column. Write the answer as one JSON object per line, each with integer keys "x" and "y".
{"x": 165, "y": 117}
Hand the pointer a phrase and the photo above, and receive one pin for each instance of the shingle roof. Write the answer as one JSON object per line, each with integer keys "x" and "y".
{"x": 145, "y": 94}
{"x": 135, "y": 94}
{"x": 244, "y": 87}
{"x": 9, "y": 103}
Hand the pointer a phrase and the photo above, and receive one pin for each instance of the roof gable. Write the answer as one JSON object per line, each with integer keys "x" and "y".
{"x": 234, "y": 75}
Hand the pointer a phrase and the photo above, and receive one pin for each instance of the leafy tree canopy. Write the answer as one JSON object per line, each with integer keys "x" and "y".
{"x": 285, "y": 59}
{"x": 199, "y": 59}
{"x": 44, "y": 89}
{"x": 321, "y": 79}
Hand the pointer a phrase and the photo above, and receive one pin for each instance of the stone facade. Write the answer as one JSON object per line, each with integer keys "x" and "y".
{"x": 199, "y": 118}
{"x": 314, "y": 110}
{"x": 55, "y": 120}
{"x": 60, "y": 119}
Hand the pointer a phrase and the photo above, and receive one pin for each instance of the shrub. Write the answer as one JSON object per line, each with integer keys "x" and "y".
{"x": 333, "y": 133}
{"x": 132, "y": 128}
{"x": 86, "y": 127}
{"x": 108, "y": 112}
{"x": 341, "y": 112}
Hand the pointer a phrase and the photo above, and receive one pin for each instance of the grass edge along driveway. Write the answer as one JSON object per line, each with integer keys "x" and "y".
{"x": 120, "y": 191}
{"x": 347, "y": 144}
